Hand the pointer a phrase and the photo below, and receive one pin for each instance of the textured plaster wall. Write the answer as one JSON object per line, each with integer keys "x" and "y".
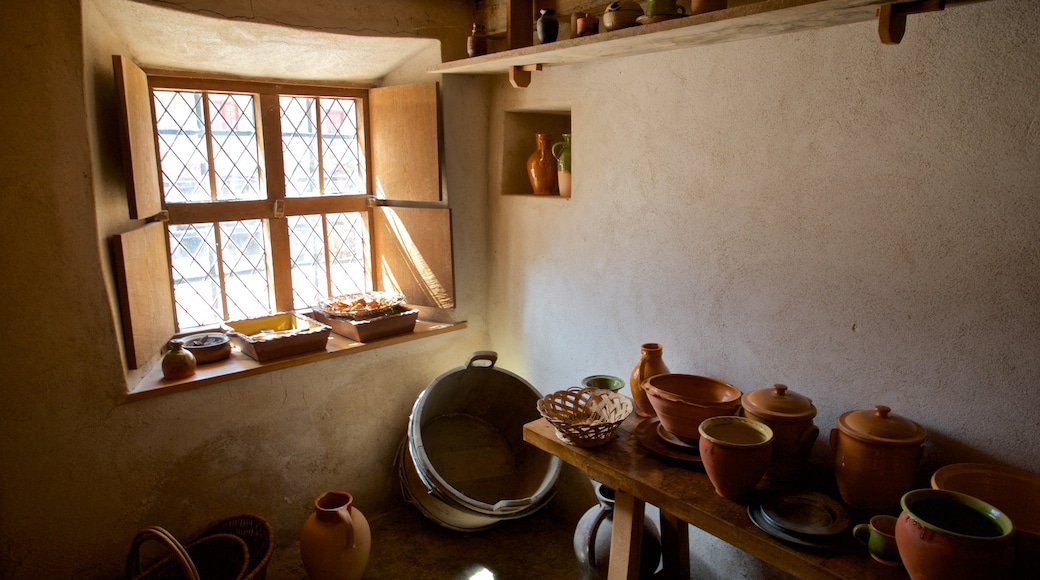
{"x": 80, "y": 472}
{"x": 855, "y": 220}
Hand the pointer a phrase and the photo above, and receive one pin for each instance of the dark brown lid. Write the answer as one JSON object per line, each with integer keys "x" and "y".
{"x": 779, "y": 403}
{"x": 881, "y": 425}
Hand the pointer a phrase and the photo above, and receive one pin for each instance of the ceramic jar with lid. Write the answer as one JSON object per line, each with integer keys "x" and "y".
{"x": 790, "y": 416}
{"x": 877, "y": 455}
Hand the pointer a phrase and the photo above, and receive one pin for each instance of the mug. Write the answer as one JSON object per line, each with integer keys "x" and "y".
{"x": 879, "y": 536}
{"x": 663, "y": 8}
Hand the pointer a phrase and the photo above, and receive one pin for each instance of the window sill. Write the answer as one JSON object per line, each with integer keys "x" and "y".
{"x": 241, "y": 366}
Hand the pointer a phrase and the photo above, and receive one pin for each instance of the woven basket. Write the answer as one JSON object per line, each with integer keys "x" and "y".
{"x": 238, "y": 547}
{"x": 585, "y": 417}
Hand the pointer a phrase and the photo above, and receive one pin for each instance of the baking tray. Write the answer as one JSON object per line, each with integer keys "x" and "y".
{"x": 277, "y": 336}
{"x": 401, "y": 320}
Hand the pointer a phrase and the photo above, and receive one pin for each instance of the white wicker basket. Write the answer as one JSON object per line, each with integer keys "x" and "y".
{"x": 585, "y": 417}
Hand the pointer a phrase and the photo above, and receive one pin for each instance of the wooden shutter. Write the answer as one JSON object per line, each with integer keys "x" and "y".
{"x": 145, "y": 295}
{"x": 413, "y": 254}
{"x": 143, "y": 196}
{"x": 140, "y": 257}
{"x": 405, "y": 142}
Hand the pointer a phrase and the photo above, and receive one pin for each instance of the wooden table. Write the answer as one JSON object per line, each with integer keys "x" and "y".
{"x": 684, "y": 495}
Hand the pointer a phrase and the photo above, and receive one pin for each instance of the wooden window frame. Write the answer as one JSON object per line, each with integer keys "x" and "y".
{"x": 409, "y": 222}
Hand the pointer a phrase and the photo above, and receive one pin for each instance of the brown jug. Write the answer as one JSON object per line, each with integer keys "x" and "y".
{"x": 336, "y": 541}
{"x": 541, "y": 166}
{"x": 650, "y": 364}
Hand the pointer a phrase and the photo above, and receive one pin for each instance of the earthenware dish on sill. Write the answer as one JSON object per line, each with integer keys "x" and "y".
{"x": 208, "y": 347}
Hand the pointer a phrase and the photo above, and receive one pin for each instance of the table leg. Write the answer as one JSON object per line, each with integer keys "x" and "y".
{"x": 626, "y": 539}
{"x": 675, "y": 547}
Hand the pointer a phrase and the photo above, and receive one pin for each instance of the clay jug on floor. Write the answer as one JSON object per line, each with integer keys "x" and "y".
{"x": 650, "y": 364}
{"x": 592, "y": 539}
{"x": 336, "y": 540}
{"x": 541, "y": 166}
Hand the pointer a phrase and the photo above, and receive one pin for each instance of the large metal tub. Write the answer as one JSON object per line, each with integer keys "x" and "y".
{"x": 464, "y": 462}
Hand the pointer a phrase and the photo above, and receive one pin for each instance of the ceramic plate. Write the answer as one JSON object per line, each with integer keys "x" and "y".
{"x": 823, "y": 542}
{"x": 648, "y": 437}
{"x": 671, "y": 439}
{"x": 806, "y": 514}
{"x": 653, "y": 19}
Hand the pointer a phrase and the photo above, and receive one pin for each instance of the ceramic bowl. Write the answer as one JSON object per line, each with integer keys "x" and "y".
{"x": 607, "y": 382}
{"x": 683, "y": 401}
{"x": 1012, "y": 491}
{"x": 208, "y": 346}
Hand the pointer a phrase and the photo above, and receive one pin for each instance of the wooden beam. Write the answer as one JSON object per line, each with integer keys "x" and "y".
{"x": 520, "y": 23}
{"x": 892, "y": 18}
{"x": 520, "y": 76}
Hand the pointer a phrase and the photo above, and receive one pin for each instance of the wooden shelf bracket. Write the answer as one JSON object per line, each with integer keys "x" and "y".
{"x": 892, "y": 17}
{"x": 520, "y": 76}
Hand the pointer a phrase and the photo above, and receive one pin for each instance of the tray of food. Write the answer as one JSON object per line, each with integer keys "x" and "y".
{"x": 361, "y": 305}
{"x": 278, "y": 335}
{"x": 398, "y": 320}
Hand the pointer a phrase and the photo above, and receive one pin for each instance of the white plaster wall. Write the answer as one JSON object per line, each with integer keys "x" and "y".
{"x": 858, "y": 221}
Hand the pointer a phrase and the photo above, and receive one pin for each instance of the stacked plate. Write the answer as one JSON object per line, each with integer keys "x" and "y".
{"x": 806, "y": 519}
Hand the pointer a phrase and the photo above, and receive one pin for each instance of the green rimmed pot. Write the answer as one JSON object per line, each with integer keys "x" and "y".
{"x": 950, "y": 535}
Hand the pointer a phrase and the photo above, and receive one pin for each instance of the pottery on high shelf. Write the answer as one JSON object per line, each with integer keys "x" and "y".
{"x": 790, "y": 416}
{"x": 621, "y": 15}
{"x": 949, "y": 536}
{"x": 541, "y": 166}
{"x": 702, "y": 6}
{"x": 735, "y": 452}
{"x": 336, "y": 539}
{"x": 477, "y": 44}
{"x": 877, "y": 455}
{"x": 547, "y": 26}
{"x": 650, "y": 364}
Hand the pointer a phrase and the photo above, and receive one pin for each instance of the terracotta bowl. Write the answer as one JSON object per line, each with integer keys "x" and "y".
{"x": 1012, "y": 491}
{"x": 683, "y": 401}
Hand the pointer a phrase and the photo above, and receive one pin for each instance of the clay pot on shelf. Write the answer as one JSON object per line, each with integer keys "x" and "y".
{"x": 178, "y": 363}
{"x": 702, "y": 6}
{"x": 683, "y": 401}
{"x": 592, "y": 539}
{"x": 561, "y": 150}
{"x": 621, "y": 15}
{"x": 650, "y": 364}
{"x": 948, "y": 535}
{"x": 541, "y": 166}
{"x": 877, "y": 455}
{"x": 735, "y": 452}
{"x": 336, "y": 540}
{"x": 477, "y": 44}
{"x": 790, "y": 416}
{"x": 547, "y": 26}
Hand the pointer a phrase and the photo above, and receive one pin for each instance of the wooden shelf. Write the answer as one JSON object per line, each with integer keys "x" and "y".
{"x": 759, "y": 19}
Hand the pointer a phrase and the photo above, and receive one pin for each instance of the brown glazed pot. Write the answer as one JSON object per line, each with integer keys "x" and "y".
{"x": 790, "y": 416}
{"x": 945, "y": 535}
{"x": 336, "y": 541}
{"x": 650, "y": 364}
{"x": 877, "y": 455}
{"x": 682, "y": 402}
{"x": 735, "y": 452}
{"x": 541, "y": 166}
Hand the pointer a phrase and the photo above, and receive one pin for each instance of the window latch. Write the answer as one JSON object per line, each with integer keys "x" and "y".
{"x": 279, "y": 208}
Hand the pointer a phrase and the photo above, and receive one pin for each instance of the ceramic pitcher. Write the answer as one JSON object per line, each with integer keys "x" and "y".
{"x": 336, "y": 540}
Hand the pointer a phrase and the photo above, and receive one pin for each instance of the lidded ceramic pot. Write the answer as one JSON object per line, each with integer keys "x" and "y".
{"x": 790, "y": 416}
{"x": 877, "y": 455}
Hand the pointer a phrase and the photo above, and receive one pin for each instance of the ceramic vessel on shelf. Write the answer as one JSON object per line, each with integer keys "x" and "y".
{"x": 1012, "y": 491}
{"x": 541, "y": 166}
{"x": 655, "y": 8}
{"x": 336, "y": 540}
{"x": 877, "y": 455}
{"x": 790, "y": 416}
{"x": 592, "y": 539}
{"x": 879, "y": 536}
{"x": 178, "y": 363}
{"x": 476, "y": 44}
{"x": 735, "y": 452}
{"x": 651, "y": 363}
{"x": 606, "y": 382}
{"x": 561, "y": 150}
{"x": 948, "y": 535}
{"x": 621, "y": 15}
{"x": 702, "y": 6}
{"x": 683, "y": 401}
{"x": 547, "y": 26}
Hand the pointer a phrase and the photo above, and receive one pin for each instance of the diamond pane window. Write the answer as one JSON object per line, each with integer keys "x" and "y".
{"x": 235, "y": 154}
{"x": 218, "y": 274}
{"x": 320, "y": 147}
{"x": 321, "y": 269}
{"x": 182, "y": 146}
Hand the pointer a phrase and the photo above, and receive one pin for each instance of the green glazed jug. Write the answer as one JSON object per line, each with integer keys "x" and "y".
{"x": 561, "y": 150}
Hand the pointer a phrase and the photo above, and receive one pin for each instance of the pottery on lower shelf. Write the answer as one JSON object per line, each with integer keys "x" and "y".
{"x": 541, "y": 166}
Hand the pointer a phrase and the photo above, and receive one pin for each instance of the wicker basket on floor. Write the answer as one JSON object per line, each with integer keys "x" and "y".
{"x": 237, "y": 548}
{"x": 585, "y": 417}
